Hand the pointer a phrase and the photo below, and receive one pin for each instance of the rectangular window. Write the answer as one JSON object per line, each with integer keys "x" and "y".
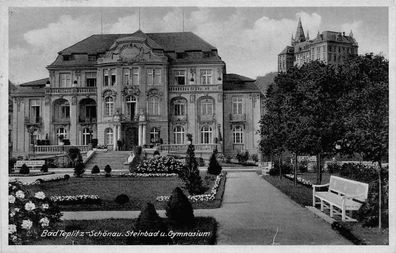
{"x": 106, "y": 77}
{"x": 65, "y": 80}
{"x": 180, "y": 77}
{"x": 113, "y": 77}
{"x": 90, "y": 79}
{"x": 237, "y": 105}
{"x": 179, "y": 109}
{"x": 157, "y": 76}
{"x": 206, "y": 76}
{"x": 126, "y": 76}
{"x": 207, "y": 108}
{"x": 135, "y": 76}
{"x": 65, "y": 111}
{"x": 150, "y": 76}
{"x": 35, "y": 111}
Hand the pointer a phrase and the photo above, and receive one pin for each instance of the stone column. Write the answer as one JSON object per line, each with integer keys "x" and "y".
{"x": 114, "y": 137}
{"x": 140, "y": 135}
{"x": 73, "y": 121}
{"x": 144, "y": 134}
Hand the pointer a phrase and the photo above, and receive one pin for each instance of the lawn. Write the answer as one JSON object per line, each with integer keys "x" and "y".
{"x": 303, "y": 196}
{"x": 86, "y": 232}
{"x": 139, "y": 190}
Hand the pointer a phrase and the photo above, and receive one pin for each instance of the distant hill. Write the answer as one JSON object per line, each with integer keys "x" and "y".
{"x": 263, "y": 82}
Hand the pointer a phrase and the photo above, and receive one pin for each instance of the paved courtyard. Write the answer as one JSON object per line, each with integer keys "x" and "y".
{"x": 253, "y": 213}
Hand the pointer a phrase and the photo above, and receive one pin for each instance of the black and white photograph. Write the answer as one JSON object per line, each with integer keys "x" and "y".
{"x": 165, "y": 124}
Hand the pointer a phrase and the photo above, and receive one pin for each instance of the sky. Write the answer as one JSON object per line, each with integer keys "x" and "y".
{"x": 248, "y": 39}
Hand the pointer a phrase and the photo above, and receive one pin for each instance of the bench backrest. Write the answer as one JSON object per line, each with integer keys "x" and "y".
{"x": 349, "y": 187}
{"x": 30, "y": 163}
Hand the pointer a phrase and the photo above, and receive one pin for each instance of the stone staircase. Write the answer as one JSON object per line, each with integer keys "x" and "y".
{"x": 115, "y": 159}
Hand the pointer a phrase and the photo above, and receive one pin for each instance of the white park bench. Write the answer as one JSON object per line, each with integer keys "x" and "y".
{"x": 29, "y": 163}
{"x": 342, "y": 195}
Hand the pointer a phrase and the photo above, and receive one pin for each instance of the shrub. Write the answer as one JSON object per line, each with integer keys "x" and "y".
{"x": 79, "y": 169}
{"x": 302, "y": 168}
{"x": 107, "y": 169}
{"x": 66, "y": 177}
{"x": 214, "y": 167}
{"x": 149, "y": 221}
{"x": 333, "y": 168}
{"x": 200, "y": 161}
{"x": 44, "y": 168}
{"x": 242, "y": 157}
{"x": 274, "y": 172}
{"x": 24, "y": 169}
{"x": 156, "y": 153}
{"x": 254, "y": 157}
{"x": 95, "y": 170}
{"x": 11, "y": 164}
{"x": 121, "y": 199}
{"x": 227, "y": 159}
{"x": 190, "y": 174}
{"x": 29, "y": 214}
{"x": 160, "y": 164}
{"x": 138, "y": 150}
{"x": 178, "y": 208}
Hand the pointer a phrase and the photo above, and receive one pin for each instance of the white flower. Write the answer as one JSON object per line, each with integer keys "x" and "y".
{"x": 11, "y": 199}
{"x": 16, "y": 210}
{"x": 12, "y": 214}
{"x": 11, "y": 228}
{"x": 19, "y": 194}
{"x": 45, "y": 206}
{"x": 29, "y": 206}
{"x": 27, "y": 224}
{"x": 39, "y": 195}
{"x": 44, "y": 222}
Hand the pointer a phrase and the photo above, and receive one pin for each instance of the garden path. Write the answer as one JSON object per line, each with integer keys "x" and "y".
{"x": 253, "y": 213}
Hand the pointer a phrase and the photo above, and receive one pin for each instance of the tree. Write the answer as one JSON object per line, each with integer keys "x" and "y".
{"x": 178, "y": 208}
{"x": 366, "y": 110}
{"x": 74, "y": 155}
{"x": 214, "y": 167}
{"x": 190, "y": 174}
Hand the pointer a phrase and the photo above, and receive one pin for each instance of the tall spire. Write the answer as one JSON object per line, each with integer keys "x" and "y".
{"x": 300, "y": 37}
{"x": 292, "y": 40}
{"x": 307, "y": 35}
{"x": 351, "y": 34}
{"x": 139, "y": 18}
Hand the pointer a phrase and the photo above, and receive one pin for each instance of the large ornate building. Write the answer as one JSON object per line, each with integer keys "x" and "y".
{"x": 329, "y": 47}
{"x": 137, "y": 89}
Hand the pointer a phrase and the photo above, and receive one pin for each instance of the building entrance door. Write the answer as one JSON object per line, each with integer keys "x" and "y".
{"x": 130, "y": 134}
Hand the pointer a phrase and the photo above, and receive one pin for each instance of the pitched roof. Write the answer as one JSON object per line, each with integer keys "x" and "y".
{"x": 177, "y": 41}
{"x": 39, "y": 82}
{"x": 235, "y": 82}
{"x": 334, "y": 36}
{"x": 287, "y": 50}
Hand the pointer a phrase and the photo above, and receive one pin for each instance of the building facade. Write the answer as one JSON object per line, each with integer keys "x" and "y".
{"x": 329, "y": 47}
{"x": 146, "y": 89}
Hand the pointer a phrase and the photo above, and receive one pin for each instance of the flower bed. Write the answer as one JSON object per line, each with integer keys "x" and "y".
{"x": 202, "y": 197}
{"x": 300, "y": 180}
{"x": 44, "y": 180}
{"x": 29, "y": 214}
{"x": 149, "y": 175}
{"x": 76, "y": 199}
{"x": 161, "y": 164}
{"x": 31, "y": 174}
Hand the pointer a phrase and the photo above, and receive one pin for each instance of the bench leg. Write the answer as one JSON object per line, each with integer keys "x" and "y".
{"x": 343, "y": 215}
{"x": 331, "y": 211}
{"x": 321, "y": 205}
{"x": 313, "y": 201}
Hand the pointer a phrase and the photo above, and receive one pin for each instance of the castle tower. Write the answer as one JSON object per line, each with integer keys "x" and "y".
{"x": 300, "y": 37}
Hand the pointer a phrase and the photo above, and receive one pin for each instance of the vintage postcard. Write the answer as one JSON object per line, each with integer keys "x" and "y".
{"x": 256, "y": 124}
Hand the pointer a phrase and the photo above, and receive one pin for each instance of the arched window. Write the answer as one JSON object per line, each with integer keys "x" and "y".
{"x": 153, "y": 106}
{"x": 61, "y": 134}
{"x": 108, "y": 136}
{"x": 237, "y": 134}
{"x": 109, "y": 106}
{"x": 206, "y": 135}
{"x": 131, "y": 107}
{"x": 207, "y": 107}
{"x": 178, "y": 133}
{"x": 86, "y": 136}
{"x": 179, "y": 107}
{"x": 154, "y": 135}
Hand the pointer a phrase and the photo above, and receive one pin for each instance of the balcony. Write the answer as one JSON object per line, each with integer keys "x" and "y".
{"x": 192, "y": 88}
{"x": 71, "y": 90}
{"x": 33, "y": 121}
{"x": 182, "y": 148}
{"x": 57, "y": 149}
{"x": 63, "y": 121}
{"x": 206, "y": 118}
{"x": 179, "y": 118}
{"x": 237, "y": 117}
{"x": 87, "y": 120}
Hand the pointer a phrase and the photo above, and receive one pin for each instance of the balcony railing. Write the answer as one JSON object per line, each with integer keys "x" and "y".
{"x": 71, "y": 90}
{"x": 207, "y": 117}
{"x": 61, "y": 120}
{"x": 182, "y": 148}
{"x": 33, "y": 121}
{"x": 54, "y": 149}
{"x": 179, "y": 118}
{"x": 189, "y": 88}
{"x": 237, "y": 117}
{"x": 87, "y": 120}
